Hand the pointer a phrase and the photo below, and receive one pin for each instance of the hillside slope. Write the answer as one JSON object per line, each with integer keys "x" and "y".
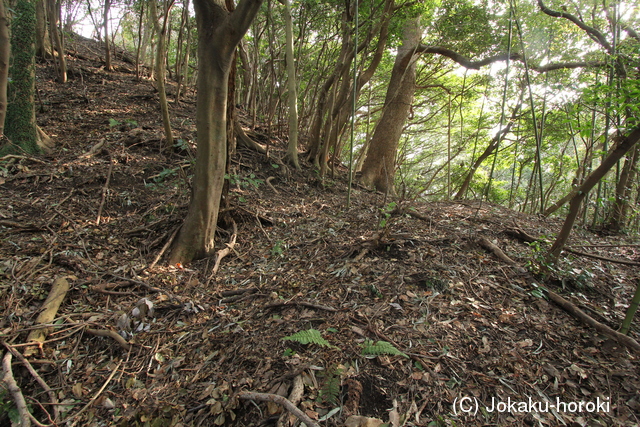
{"x": 101, "y": 208}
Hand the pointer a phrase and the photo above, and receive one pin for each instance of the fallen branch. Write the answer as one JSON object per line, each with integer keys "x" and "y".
{"x": 110, "y": 334}
{"x": 268, "y": 182}
{"x": 603, "y": 329}
{"x": 165, "y": 247}
{"x": 485, "y": 243}
{"x": 50, "y": 307}
{"x": 302, "y": 303}
{"x": 224, "y": 252}
{"x": 602, "y": 258}
{"x": 93, "y": 150}
{"x": 282, "y": 401}
{"x": 105, "y": 190}
{"x": 52, "y": 395}
{"x": 16, "y": 393}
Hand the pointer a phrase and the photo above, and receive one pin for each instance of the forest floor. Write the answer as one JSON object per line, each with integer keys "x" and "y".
{"x": 412, "y": 313}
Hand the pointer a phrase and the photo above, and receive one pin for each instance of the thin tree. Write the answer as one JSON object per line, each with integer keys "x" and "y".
{"x": 219, "y": 32}
{"x": 292, "y": 148}
{"x": 5, "y": 49}
{"x": 161, "y": 31}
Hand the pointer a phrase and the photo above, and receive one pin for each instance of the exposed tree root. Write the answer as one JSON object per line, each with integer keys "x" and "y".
{"x": 247, "y": 142}
{"x": 282, "y": 401}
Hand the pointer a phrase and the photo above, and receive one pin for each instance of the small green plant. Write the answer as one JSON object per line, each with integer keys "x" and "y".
{"x": 385, "y": 213}
{"x": 164, "y": 174}
{"x": 310, "y": 336}
{"x": 244, "y": 182}
{"x": 373, "y": 290}
{"x": 8, "y": 408}
{"x": 369, "y": 348}
{"x": 330, "y": 388}
{"x": 127, "y": 122}
{"x": 278, "y": 248}
{"x": 288, "y": 352}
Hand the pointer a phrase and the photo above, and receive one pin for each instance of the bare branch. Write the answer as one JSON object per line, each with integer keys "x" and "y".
{"x": 592, "y": 32}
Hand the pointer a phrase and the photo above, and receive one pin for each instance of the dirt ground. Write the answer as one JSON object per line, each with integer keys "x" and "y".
{"x": 387, "y": 311}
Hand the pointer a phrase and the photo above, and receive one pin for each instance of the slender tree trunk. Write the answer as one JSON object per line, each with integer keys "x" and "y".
{"x": 292, "y": 149}
{"x": 161, "y": 68}
{"x": 138, "y": 50}
{"x": 107, "y": 46}
{"x": 58, "y": 40}
{"x": 219, "y": 32}
{"x": 623, "y": 191}
{"x": 5, "y": 49}
{"x": 594, "y": 177}
{"x": 43, "y": 44}
{"x": 378, "y": 169}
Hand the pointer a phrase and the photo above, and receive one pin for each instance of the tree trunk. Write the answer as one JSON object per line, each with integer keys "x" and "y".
{"x": 5, "y": 49}
{"x": 219, "y": 32}
{"x": 107, "y": 46}
{"x": 292, "y": 148}
{"x": 378, "y": 169}
{"x": 21, "y": 116}
{"x": 43, "y": 44}
{"x": 161, "y": 31}
{"x": 493, "y": 145}
{"x": 623, "y": 191}
{"x": 58, "y": 40}
{"x": 591, "y": 180}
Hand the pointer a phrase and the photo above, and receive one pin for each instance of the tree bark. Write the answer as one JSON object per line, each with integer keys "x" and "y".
{"x": 378, "y": 169}
{"x": 219, "y": 32}
{"x": 623, "y": 191}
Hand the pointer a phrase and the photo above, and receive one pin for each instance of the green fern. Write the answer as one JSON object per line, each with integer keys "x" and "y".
{"x": 380, "y": 347}
{"x": 330, "y": 390}
{"x": 310, "y": 336}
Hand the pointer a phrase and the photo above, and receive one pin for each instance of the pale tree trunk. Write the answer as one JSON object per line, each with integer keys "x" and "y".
{"x": 58, "y": 40}
{"x": 161, "y": 31}
{"x": 292, "y": 149}
{"x": 107, "y": 47}
{"x": 5, "y": 49}
{"x": 43, "y": 44}
{"x": 219, "y": 32}
{"x": 378, "y": 169}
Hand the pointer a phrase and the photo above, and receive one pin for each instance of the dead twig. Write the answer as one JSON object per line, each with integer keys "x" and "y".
{"x": 165, "y": 247}
{"x": 302, "y": 303}
{"x": 93, "y": 399}
{"x": 52, "y": 396}
{"x": 282, "y": 401}
{"x": 224, "y": 252}
{"x": 110, "y": 334}
{"x": 16, "y": 393}
{"x": 105, "y": 190}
